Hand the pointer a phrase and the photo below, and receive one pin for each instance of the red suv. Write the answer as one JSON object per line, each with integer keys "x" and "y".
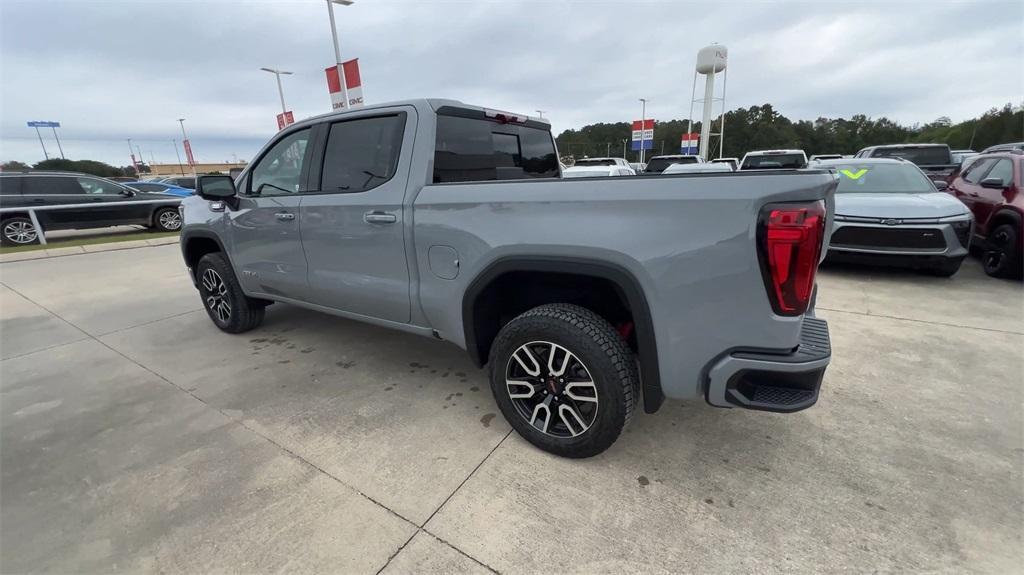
{"x": 991, "y": 187}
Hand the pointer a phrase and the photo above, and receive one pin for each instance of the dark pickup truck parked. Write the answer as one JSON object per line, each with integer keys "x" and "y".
{"x": 935, "y": 160}
{"x": 585, "y": 297}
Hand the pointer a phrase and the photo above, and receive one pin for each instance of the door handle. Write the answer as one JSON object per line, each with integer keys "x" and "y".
{"x": 379, "y": 218}
{"x": 284, "y": 216}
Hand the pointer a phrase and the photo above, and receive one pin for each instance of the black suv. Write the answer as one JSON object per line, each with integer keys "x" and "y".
{"x": 64, "y": 201}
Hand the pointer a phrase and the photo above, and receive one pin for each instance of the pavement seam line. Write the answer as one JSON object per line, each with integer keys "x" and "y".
{"x": 471, "y": 473}
{"x": 228, "y": 417}
{"x": 397, "y": 551}
{"x": 868, "y": 314}
{"x": 463, "y": 553}
{"x": 145, "y": 323}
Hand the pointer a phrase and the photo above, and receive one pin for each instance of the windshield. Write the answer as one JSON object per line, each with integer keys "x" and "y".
{"x": 589, "y": 162}
{"x": 882, "y": 178}
{"x": 585, "y": 173}
{"x": 659, "y": 164}
{"x": 928, "y": 156}
{"x": 773, "y": 162}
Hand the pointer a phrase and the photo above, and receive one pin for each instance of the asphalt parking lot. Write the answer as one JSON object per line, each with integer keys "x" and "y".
{"x": 136, "y": 437}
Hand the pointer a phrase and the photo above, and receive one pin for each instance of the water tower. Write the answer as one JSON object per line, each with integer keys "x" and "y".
{"x": 711, "y": 61}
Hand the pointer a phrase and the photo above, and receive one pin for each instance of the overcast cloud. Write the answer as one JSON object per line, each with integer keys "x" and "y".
{"x": 115, "y": 70}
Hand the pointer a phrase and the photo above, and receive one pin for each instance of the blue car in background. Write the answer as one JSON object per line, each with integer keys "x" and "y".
{"x": 160, "y": 188}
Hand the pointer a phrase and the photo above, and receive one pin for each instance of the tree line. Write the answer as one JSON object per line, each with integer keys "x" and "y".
{"x": 91, "y": 167}
{"x": 762, "y": 127}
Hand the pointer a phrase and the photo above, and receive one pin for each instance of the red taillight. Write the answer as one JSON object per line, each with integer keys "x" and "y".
{"x": 789, "y": 242}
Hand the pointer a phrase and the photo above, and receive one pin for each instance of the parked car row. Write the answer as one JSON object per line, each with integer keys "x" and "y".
{"x": 65, "y": 200}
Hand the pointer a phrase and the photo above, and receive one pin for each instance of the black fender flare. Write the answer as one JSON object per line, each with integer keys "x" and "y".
{"x": 188, "y": 236}
{"x": 622, "y": 278}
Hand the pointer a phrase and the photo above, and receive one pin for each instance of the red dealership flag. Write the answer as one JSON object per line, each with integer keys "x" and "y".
{"x": 352, "y": 81}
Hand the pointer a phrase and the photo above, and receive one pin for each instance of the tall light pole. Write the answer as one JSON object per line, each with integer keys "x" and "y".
{"x": 185, "y": 142}
{"x": 180, "y": 167}
{"x": 337, "y": 48}
{"x": 540, "y": 113}
{"x": 643, "y": 122}
{"x": 280, "y": 90}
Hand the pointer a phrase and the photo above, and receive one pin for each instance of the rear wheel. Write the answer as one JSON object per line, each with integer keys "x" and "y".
{"x": 564, "y": 379}
{"x": 1002, "y": 257}
{"x": 225, "y": 303}
{"x": 167, "y": 220}
{"x": 18, "y": 231}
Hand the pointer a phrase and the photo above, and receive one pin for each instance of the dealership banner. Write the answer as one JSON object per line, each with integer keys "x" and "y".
{"x": 644, "y": 135}
{"x": 689, "y": 144}
{"x": 352, "y": 81}
{"x": 188, "y": 153}
{"x": 285, "y": 119}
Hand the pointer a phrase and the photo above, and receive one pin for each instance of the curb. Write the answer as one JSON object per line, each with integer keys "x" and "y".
{"x": 90, "y": 249}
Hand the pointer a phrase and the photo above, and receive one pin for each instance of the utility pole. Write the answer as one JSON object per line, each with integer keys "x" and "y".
{"x": 337, "y": 48}
{"x": 540, "y": 113}
{"x": 54, "y": 128}
{"x": 131, "y": 154}
{"x": 180, "y": 167}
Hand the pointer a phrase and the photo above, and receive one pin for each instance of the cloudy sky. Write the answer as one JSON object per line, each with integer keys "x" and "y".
{"x": 109, "y": 71}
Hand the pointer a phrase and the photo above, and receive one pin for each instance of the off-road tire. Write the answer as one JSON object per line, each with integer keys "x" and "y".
{"x": 245, "y": 313}
{"x": 609, "y": 361}
{"x": 1001, "y": 257}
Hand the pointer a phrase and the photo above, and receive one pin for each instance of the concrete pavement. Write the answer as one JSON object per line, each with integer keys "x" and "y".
{"x": 134, "y": 436}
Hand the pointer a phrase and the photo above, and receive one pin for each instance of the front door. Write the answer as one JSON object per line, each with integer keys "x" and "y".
{"x": 117, "y": 205}
{"x": 990, "y": 199}
{"x": 352, "y": 223}
{"x": 264, "y": 229}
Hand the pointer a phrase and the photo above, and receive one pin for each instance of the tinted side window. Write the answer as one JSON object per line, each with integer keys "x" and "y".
{"x": 279, "y": 171}
{"x": 10, "y": 186}
{"x": 1002, "y": 170}
{"x": 50, "y": 185}
{"x": 362, "y": 154}
{"x": 94, "y": 186}
{"x": 977, "y": 169}
{"x": 469, "y": 149}
{"x": 148, "y": 187}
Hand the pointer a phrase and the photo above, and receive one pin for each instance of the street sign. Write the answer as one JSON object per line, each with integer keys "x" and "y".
{"x": 353, "y": 83}
{"x": 689, "y": 144}
{"x": 285, "y": 119}
{"x": 188, "y": 153}
{"x": 43, "y": 124}
{"x": 646, "y": 135}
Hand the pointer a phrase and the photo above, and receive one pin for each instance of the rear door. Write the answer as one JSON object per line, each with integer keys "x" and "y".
{"x": 264, "y": 229}
{"x": 45, "y": 191}
{"x": 352, "y": 219}
{"x": 118, "y": 205}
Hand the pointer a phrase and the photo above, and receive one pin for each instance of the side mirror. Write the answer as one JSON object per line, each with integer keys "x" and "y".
{"x": 995, "y": 183}
{"x": 215, "y": 188}
{"x": 941, "y": 186}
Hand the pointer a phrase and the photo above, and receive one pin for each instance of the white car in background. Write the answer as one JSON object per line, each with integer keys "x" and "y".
{"x": 774, "y": 160}
{"x": 602, "y": 162}
{"x": 698, "y": 168}
{"x": 817, "y": 157}
{"x": 733, "y": 163}
{"x": 579, "y": 171}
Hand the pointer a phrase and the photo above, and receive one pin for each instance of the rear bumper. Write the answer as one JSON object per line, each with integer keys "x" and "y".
{"x": 781, "y": 383}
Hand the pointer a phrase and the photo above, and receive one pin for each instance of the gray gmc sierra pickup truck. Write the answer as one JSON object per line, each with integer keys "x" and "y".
{"x": 583, "y": 297}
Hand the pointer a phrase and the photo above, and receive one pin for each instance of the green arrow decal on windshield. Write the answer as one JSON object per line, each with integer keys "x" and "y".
{"x": 853, "y": 175}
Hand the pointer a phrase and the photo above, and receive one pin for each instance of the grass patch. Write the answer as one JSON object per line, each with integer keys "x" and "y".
{"x": 87, "y": 241}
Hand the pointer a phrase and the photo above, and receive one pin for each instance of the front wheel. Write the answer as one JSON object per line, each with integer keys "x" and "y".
{"x": 1002, "y": 257}
{"x": 564, "y": 379}
{"x": 167, "y": 220}
{"x": 225, "y": 303}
